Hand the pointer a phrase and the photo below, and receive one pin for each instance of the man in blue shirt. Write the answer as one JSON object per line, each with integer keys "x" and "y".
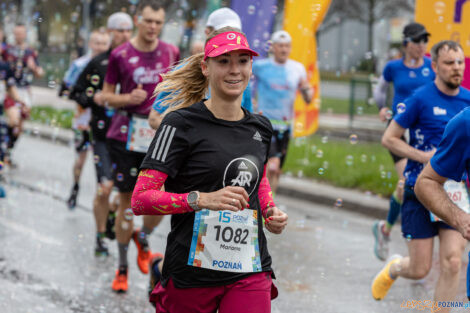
{"x": 426, "y": 114}
{"x": 451, "y": 161}
{"x": 406, "y": 74}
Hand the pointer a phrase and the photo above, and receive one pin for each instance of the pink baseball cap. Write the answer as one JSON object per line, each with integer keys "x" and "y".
{"x": 226, "y": 42}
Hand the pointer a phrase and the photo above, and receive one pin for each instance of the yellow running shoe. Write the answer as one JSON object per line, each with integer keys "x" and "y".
{"x": 382, "y": 281}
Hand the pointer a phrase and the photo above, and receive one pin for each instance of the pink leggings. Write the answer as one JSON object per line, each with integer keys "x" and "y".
{"x": 252, "y": 294}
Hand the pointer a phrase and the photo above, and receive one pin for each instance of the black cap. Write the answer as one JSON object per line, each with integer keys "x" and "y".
{"x": 414, "y": 30}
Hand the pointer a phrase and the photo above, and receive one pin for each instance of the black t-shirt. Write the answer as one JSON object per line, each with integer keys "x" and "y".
{"x": 88, "y": 83}
{"x": 200, "y": 152}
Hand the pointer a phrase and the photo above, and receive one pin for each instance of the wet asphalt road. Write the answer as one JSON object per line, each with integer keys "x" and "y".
{"x": 324, "y": 261}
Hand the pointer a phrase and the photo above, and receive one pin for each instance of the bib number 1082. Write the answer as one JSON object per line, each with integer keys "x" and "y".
{"x": 227, "y": 234}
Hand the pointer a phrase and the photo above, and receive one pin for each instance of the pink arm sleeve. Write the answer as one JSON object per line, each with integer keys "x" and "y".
{"x": 149, "y": 199}
{"x": 265, "y": 194}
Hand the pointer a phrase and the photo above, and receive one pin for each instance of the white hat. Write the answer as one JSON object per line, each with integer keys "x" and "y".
{"x": 281, "y": 36}
{"x": 224, "y": 17}
{"x": 119, "y": 20}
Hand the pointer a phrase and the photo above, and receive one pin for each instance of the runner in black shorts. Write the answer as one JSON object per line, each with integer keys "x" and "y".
{"x": 99, "y": 42}
{"x": 81, "y": 129}
{"x": 136, "y": 66}
{"x": 425, "y": 114}
{"x": 279, "y": 145}
{"x": 87, "y": 93}
{"x": 23, "y": 62}
{"x": 407, "y": 74}
{"x": 277, "y": 81}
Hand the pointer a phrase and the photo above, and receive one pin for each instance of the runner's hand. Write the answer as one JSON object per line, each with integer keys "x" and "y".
{"x": 31, "y": 64}
{"x": 25, "y": 109}
{"x": 137, "y": 95}
{"x": 229, "y": 198}
{"x": 98, "y": 98}
{"x": 39, "y": 71}
{"x": 276, "y": 220}
{"x": 383, "y": 114}
{"x": 463, "y": 225}
{"x": 427, "y": 155}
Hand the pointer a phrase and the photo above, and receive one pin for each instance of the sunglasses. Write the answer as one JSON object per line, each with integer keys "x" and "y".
{"x": 420, "y": 39}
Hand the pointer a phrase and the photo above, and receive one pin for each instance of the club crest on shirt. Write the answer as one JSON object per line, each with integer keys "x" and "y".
{"x": 425, "y": 72}
{"x": 242, "y": 172}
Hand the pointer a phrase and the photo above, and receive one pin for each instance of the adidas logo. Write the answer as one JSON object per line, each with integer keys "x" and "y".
{"x": 257, "y": 136}
{"x": 242, "y": 166}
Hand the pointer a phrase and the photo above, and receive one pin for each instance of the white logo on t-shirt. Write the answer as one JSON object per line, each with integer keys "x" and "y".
{"x": 242, "y": 166}
{"x": 257, "y": 136}
{"x": 134, "y": 60}
{"x": 439, "y": 111}
{"x": 142, "y": 75}
{"x": 419, "y": 137}
{"x": 243, "y": 179}
{"x": 242, "y": 172}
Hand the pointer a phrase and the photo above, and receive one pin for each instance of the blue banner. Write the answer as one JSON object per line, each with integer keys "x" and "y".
{"x": 257, "y": 22}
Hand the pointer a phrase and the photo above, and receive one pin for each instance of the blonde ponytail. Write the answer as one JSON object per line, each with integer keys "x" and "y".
{"x": 186, "y": 85}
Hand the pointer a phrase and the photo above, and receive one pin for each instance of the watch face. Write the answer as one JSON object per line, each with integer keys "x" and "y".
{"x": 192, "y": 197}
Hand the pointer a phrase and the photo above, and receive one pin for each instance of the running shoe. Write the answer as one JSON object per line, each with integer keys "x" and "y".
{"x": 120, "y": 281}
{"x": 8, "y": 161}
{"x": 72, "y": 201}
{"x": 143, "y": 251}
{"x": 11, "y": 164}
{"x": 101, "y": 248}
{"x": 155, "y": 274}
{"x": 3, "y": 193}
{"x": 110, "y": 233}
{"x": 382, "y": 281}
{"x": 381, "y": 240}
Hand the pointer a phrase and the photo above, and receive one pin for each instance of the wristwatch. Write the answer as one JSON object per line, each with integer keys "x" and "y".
{"x": 193, "y": 200}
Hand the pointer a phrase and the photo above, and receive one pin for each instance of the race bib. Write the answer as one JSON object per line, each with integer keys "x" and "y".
{"x": 226, "y": 241}
{"x": 140, "y": 134}
{"x": 458, "y": 193}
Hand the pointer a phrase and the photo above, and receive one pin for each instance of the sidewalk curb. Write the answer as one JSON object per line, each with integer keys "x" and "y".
{"x": 379, "y": 210}
{"x": 303, "y": 189}
{"x": 55, "y": 134}
{"x": 338, "y": 198}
